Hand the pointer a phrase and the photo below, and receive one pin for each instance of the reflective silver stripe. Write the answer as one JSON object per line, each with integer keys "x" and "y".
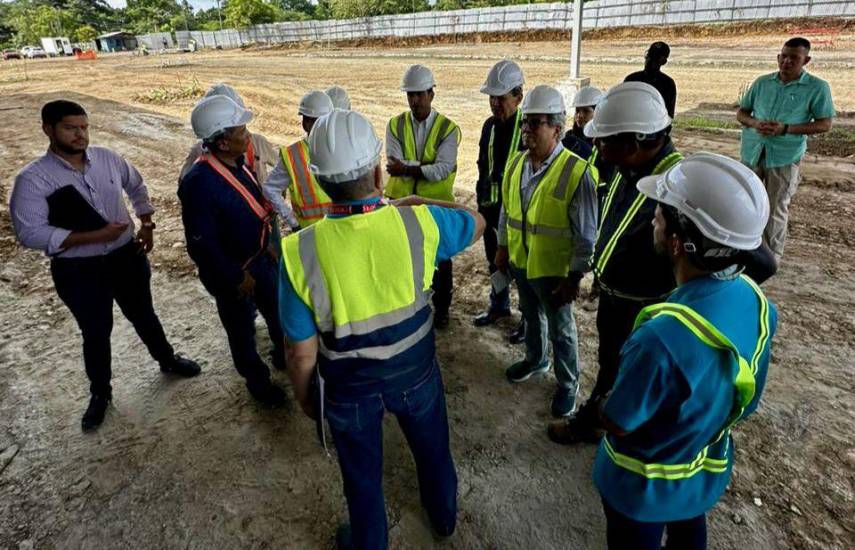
{"x": 315, "y": 279}
{"x": 301, "y": 173}
{"x": 564, "y": 178}
{"x": 443, "y": 129}
{"x": 380, "y": 352}
{"x": 540, "y": 229}
{"x": 313, "y": 212}
{"x": 416, "y": 240}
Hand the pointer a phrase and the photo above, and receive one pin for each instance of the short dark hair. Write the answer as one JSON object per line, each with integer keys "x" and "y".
{"x": 707, "y": 254}
{"x": 211, "y": 142}
{"x": 54, "y": 111}
{"x": 517, "y": 91}
{"x": 350, "y": 190}
{"x": 798, "y": 42}
{"x": 660, "y": 48}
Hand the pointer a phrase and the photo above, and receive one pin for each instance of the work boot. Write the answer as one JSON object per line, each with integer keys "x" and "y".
{"x": 94, "y": 415}
{"x": 441, "y": 533}
{"x": 522, "y": 371}
{"x": 344, "y": 537}
{"x": 517, "y": 336}
{"x": 489, "y": 317}
{"x": 180, "y": 366}
{"x": 269, "y": 395}
{"x": 564, "y": 402}
{"x": 441, "y": 320}
{"x": 570, "y": 431}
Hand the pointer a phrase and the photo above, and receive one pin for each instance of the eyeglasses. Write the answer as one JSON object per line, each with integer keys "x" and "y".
{"x": 533, "y": 123}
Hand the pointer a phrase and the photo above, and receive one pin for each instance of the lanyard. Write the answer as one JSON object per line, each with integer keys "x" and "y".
{"x": 349, "y": 209}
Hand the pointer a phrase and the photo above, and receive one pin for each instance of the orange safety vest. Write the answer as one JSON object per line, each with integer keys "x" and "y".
{"x": 308, "y": 199}
{"x": 262, "y": 209}
{"x": 250, "y": 155}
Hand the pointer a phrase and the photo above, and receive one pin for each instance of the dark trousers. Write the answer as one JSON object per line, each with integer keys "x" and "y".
{"x": 237, "y": 314}
{"x": 88, "y": 287}
{"x": 498, "y": 301}
{"x": 443, "y": 287}
{"x": 623, "y": 533}
{"x": 356, "y": 426}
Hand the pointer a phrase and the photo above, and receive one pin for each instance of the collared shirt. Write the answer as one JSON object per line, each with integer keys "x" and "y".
{"x": 456, "y": 228}
{"x": 105, "y": 174}
{"x": 581, "y": 211}
{"x": 663, "y": 83}
{"x": 673, "y": 393}
{"x": 221, "y": 229}
{"x": 265, "y": 155}
{"x": 446, "y": 152}
{"x": 274, "y": 189}
{"x": 805, "y": 99}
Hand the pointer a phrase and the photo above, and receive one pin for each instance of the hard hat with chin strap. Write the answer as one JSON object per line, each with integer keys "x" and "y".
{"x": 339, "y": 97}
{"x": 543, "y": 100}
{"x": 629, "y": 107}
{"x": 315, "y": 104}
{"x": 503, "y": 77}
{"x": 587, "y": 96}
{"x": 222, "y": 88}
{"x": 343, "y": 147}
{"x": 215, "y": 114}
{"x": 417, "y": 78}
{"x": 723, "y": 198}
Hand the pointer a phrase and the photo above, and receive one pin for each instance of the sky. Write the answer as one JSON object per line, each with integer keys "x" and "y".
{"x": 197, "y": 4}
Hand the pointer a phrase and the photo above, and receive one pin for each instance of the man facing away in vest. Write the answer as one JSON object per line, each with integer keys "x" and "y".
{"x": 421, "y": 156}
{"x": 308, "y": 201}
{"x": 547, "y": 229}
{"x": 260, "y": 153}
{"x": 231, "y": 236}
{"x": 693, "y": 366}
{"x": 354, "y": 293}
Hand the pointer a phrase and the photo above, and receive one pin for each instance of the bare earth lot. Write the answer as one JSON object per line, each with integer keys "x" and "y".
{"x": 195, "y": 464}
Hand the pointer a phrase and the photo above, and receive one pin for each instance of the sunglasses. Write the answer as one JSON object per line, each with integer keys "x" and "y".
{"x": 533, "y": 123}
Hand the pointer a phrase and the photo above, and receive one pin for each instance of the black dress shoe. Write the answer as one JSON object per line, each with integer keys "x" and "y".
{"x": 489, "y": 317}
{"x": 517, "y": 335}
{"x": 269, "y": 395}
{"x": 180, "y": 366}
{"x": 94, "y": 415}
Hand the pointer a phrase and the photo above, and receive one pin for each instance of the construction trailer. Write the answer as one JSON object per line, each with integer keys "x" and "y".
{"x": 119, "y": 41}
{"x": 57, "y": 45}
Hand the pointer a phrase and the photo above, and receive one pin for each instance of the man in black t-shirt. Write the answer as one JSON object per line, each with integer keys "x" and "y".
{"x": 656, "y": 56}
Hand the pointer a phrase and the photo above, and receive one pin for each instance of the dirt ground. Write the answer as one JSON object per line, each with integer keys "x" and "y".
{"x": 195, "y": 464}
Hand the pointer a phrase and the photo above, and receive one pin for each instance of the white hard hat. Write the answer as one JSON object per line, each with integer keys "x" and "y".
{"x": 417, "y": 78}
{"x": 587, "y": 96}
{"x": 215, "y": 113}
{"x": 543, "y": 100}
{"x": 222, "y": 88}
{"x": 722, "y": 197}
{"x": 315, "y": 104}
{"x": 503, "y": 77}
{"x": 343, "y": 146}
{"x": 339, "y": 97}
{"x": 629, "y": 107}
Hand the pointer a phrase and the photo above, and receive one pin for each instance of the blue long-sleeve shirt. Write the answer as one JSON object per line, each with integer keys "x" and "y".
{"x": 221, "y": 229}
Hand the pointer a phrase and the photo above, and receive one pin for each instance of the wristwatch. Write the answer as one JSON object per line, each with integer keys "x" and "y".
{"x": 148, "y": 225}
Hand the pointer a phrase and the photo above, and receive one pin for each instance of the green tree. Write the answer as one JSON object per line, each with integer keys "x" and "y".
{"x": 243, "y": 13}
{"x": 84, "y": 33}
{"x": 146, "y": 16}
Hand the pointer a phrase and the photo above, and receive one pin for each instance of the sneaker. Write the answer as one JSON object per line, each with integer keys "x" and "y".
{"x": 180, "y": 366}
{"x": 570, "y": 431}
{"x": 94, "y": 415}
{"x": 269, "y": 395}
{"x": 521, "y": 371}
{"x": 564, "y": 402}
{"x": 344, "y": 537}
{"x": 517, "y": 336}
{"x": 489, "y": 317}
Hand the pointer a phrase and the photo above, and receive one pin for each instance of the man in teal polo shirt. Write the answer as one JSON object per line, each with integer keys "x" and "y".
{"x": 693, "y": 365}
{"x": 778, "y": 112}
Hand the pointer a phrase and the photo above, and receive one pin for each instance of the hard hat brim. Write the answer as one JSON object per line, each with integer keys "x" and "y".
{"x": 649, "y": 187}
{"x": 412, "y": 89}
{"x": 491, "y": 91}
{"x": 244, "y": 118}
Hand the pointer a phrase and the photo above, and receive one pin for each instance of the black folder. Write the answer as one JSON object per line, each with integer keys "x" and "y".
{"x": 69, "y": 210}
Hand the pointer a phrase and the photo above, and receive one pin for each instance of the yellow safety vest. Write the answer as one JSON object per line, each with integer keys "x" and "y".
{"x": 401, "y": 127}
{"x": 495, "y": 187}
{"x": 542, "y": 245}
{"x": 309, "y": 201}
{"x": 334, "y": 267}
{"x": 662, "y": 166}
{"x": 713, "y": 457}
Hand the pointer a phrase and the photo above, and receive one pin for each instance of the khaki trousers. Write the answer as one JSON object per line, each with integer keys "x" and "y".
{"x": 781, "y": 183}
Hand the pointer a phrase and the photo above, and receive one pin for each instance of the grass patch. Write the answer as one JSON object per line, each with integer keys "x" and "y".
{"x": 165, "y": 95}
{"x": 705, "y": 123}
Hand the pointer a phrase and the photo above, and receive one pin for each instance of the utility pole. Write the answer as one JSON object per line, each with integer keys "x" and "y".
{"x": 220, "y": 14}
{"x": 576, "y": 79}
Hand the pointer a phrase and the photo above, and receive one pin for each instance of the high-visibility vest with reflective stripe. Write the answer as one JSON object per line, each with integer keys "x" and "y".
{"x": 495, "y": 186}
{"x": 603, "y": 259}
{"x": 542, "y": 244}
{"x": 592, "y": 168}
{"x": 308, "y": 199}
{"x": 401, "y": 127}
{"x": 362, "y": 273}
{"x": 714, "y": 457}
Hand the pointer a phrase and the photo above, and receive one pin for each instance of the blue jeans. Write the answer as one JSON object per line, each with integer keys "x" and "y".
{"x": 544, "y": 319}
{"x": 357, "y": 433}
{"x": 624, "y": 533}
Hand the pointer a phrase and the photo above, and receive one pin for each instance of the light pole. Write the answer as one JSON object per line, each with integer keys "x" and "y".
{"x": 220, "y": 14}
